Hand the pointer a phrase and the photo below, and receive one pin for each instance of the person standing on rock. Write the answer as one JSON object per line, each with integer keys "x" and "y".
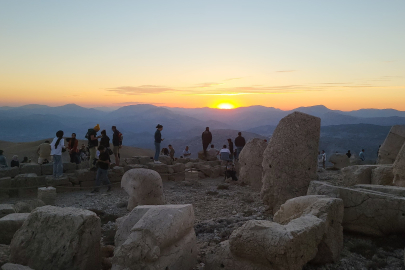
{"x": 158, "y": 141}
{"x": 206, "y": 139}
{"x": 44, "y": 152}
{"x": 3, "y": 160}
{"x": 362, "y": 156}
{"x": 93, "y": 144}
{"x": 73, "y": 149}
{"x": 57, "y": 147}
{"x": 348, "y": 154}
{"x": 103, "y": 164}
{"x": 323, "y": 158}
{"x": 117, "y": 144}
{"x": 239, "y": 143}
{"x": 230, "y": 145}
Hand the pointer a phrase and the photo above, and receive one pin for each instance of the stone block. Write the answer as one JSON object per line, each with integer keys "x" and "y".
{"x": 30, "y": 168}
{"x": 86, "y": 175}
{"x": 339, "y": 160}
{"x": 191, "y": 175}
{"x": 382, "y": 175}
{"x": 69, "y": 167}
{"x": 12, "y": 266}
{"x": 165, "y": 160}
{"x": 250, "y": 161}
{"x": 6, "y": 209}
{"x": 47, "y": 195}
{"x": 47, "y": 169}
{"x": 399, "y": 168}
{"x": 9, "y": 172}
{"x": 359, "y": 174}
{"x": 9, "y": 225}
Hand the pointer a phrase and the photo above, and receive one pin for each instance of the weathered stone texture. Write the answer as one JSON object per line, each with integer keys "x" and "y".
{"x": 339, "y": 160}
{"x": 358, "y": 174}
{"x": 9, "y": 225}
{"x": 390, "y": 148}
{"x": 399, "y": 168}
{"x": 382, "y": 175}
{"x": 250, "y": 161}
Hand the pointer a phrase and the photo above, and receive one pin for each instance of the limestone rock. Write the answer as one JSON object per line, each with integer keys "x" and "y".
{"x": 6, "y": 209}
{"x": 69, "y": 167}
{"x": 131, "y": 161}
{"x": 4, "y": 254}
{"x": 30, "y": 168}
{"x": 144, "y": 187}
{"x": 12, "y": 266}
{"x": 390, "y": 148}
{"x": 366, "y": 211}
{"x": 85, "y": 175}
{"x": 397, "y": 191}
{"x": 250, "y": 160}
{"x": 166, "y": 160}
{"x": 58, "y": 238}
{"x": 156, "y": 237}
{"x": 290, "y": 159}
{"x": 47, "y": 169}
{"x": 358, "y": 174}
{"x": 47, "y": 195}
{"x": 382, "y": 175}
{"x": 28, "y": 206}
{"x": 178, "y": 167}
{"x": 9, "y": 225}
{"x": 210, "y": 156}
{"x": 339, "y": 160}
{"x": 399, "y": 168}
{"x": 134, "y": 166}
{"x": 9, "y": 172}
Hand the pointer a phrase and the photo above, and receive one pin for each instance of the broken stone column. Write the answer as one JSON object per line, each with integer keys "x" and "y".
{"x": 290, "y": 159}
{"x": 144, "y": 187}
{"x": 58, "y": 238}
{"x": 399, "y": 168}
{"x": 47, "y": 195}
{"x": 156, "y": 237}
{"x": 390, "y": 148}
{"x": 250, "y": 161}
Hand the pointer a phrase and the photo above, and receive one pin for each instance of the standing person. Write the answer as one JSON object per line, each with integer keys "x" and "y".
{"x": 348, "y": 154}
{"x": 117, "y": 144}
{"x": 93, "y": 144}
{"x": 57, "y": 144}
{"x": 105, "y": 141}
{"x": 3, "y": 160}
{"x": 362, "y": 156}
{"x": 230, "y": 145}
{"x": 206, "y": 139}
{"x": 15, "y": 162}
{"x": 44, "y": 152}
{"x": 103, "y": 163}
{"x": 73, "y": 149}
{"x": 323, "y": 158}
{"x": 171, "y": 152}
{"x": 158, "y": 140}
{"x": 186, "y": 152}
{"x": 240, "y": 143}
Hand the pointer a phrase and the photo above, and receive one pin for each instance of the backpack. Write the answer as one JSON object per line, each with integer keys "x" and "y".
{"x": 87, "y": 136}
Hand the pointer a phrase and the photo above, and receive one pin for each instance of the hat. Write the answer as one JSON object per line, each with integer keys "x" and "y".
{"x": 97, "y": 128}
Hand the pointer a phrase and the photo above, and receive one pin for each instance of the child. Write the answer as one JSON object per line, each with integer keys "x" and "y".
{"x": 103, "y": 163}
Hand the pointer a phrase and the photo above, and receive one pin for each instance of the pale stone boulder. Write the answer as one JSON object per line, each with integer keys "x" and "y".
{"x": 47, "y": 195}
{"x": 290, "y": 159}
{"x": 144, "y": 187}
{"x": 165, "y": 160}
{"x": 156, "y": 237}
{"x": 58, "y": 238}
{"x": 390, "y": 148}
{"x": 6, "y": 209}
{"x": 28, "y": 206}
{"x": 250, "y": 161}
{"x": 382, "y": 175}
{"x": 366, "y": 211}
{"x": 12, "y": 266}
{"x": 399, "y": 168}
{"x": 339, "y": 160}
{"x": 9, "y": 225}
{"x": 30, "y": 168}
{"x": 358, "y": 174}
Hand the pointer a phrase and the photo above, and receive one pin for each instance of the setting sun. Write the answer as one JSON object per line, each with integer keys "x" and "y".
{"x": 225, "y": 106}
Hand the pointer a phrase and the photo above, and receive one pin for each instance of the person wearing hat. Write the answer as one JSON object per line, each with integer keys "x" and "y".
{"x": 158, "y": 140}
{"x": 3, "y": 161}
{"x": 93, "y": 144}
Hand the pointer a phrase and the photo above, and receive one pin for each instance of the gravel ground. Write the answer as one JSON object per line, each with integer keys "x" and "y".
{"x": 222, "y": 207}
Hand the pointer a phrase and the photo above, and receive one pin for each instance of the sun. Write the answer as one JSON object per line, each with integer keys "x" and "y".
{"x": 225, "y": 106}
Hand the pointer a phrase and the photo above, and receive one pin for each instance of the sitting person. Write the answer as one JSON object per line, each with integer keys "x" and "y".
{"x": 164, "y": 152}
{"x": 15, "y": 162}
{"x": 186, "y": 152}
{"x": 231, "y": 171}
{"x": 213, "y": 151}
{"x": 225, "y": 150}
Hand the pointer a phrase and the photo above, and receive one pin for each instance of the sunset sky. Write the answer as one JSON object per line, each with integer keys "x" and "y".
{"x": 346, "y": 54}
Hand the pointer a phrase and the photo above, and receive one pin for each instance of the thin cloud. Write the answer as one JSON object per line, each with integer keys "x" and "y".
{"x": 140, "y": 90}
{"x": 206, "y": 85}
{"x": 137, "y": 103}
{"x": 285, "y": 71}
{"x": 232, "y": 79}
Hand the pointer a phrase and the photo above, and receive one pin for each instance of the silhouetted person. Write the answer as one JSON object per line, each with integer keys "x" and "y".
{"x": 103, "y": 163}
{"x": 362, "y": 156}
{"x": 73, "y": 149}
{"x": 230, "y": 145}
{"x": 3, "y": 160}
{"x": 231, "y": 171}
{"x": 171, "y": 151}
{"x": 323, "y": 158}
{"x": 158, "y": 140}
{"x": 240, "y": 143}
{"x": 93, "y": 144}
{"x": 25, "y": 160}
{"x": 57, "y": 146}
{"x": 15, "y": 162}
{"x": 206, "y": 139}
{"x": 348, "y": 154}
{"x": 117, "y": 144}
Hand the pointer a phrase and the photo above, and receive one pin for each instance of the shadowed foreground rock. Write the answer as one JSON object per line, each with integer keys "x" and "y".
{"x": 58, "y": 238}
{"x": 156, "y": 237}
{"x": 290, "y": 159}
{"x": 144, "y": 187}
{"x": 250, "y": 161}
{"x": 310, "y": 231}
{"x": 367, "y": 211}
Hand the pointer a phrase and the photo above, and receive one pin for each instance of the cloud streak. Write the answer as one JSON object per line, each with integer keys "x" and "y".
{"x": 141, "y": 90}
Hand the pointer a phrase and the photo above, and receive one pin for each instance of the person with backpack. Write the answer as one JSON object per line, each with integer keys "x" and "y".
{"x": 93, "y": 144}
{"x": 239, "y": 143}
{"x": 117, "y": 144}
{"x": 206, "y": 139}
{"x": 103, "y": 164}
{"x": 57, "y": 147}
{"x": 158, "y": 140}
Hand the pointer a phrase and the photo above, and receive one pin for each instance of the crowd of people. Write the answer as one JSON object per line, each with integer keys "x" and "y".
{"x": 322, "y": 157}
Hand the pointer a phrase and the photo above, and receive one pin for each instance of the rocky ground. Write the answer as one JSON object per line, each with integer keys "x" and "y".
{"x": 221, "y": 207}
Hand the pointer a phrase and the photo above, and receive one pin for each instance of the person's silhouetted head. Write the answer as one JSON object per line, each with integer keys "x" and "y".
{"x": 113, "y": 128}
{"x": 229, "y": 140}
{"x": 59, "y": 134}
{"x": 212, "y": 146}
{"x": 73, "y": 135}
{"x": 240, "y": 133}
{"x": 224, "y": 146}
{"x": 159, "y": 127}
{"x": 207, "y": 129}
{"x": 103, "y": 132}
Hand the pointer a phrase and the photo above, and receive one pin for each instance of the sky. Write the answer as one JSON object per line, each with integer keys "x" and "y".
{"x": 346, "y": 54}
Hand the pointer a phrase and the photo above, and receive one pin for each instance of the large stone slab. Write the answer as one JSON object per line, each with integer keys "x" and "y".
{"x": 156, "y": 237}
{"x": 366, "y": 211}
{"x": 250, "y": 161}
{"x": 47, "y": 169}
{"x": 390, "y": 148}
{"x": 30, "y": 168}
{"x": 47, "y": 195}
{"x": 9, "y": 225}
{"x": 144, "y": 187}
{"x": 382, "y": 175}
{"x": 358, "y": 174}
{"x": 290, "y": 159}
{"x": 58, "y": 238}
{"x": 9, "y": 172}
{"x": 399, "y": 168}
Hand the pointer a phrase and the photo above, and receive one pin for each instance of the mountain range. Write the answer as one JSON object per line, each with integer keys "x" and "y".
{"x": 183, "y": 126}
